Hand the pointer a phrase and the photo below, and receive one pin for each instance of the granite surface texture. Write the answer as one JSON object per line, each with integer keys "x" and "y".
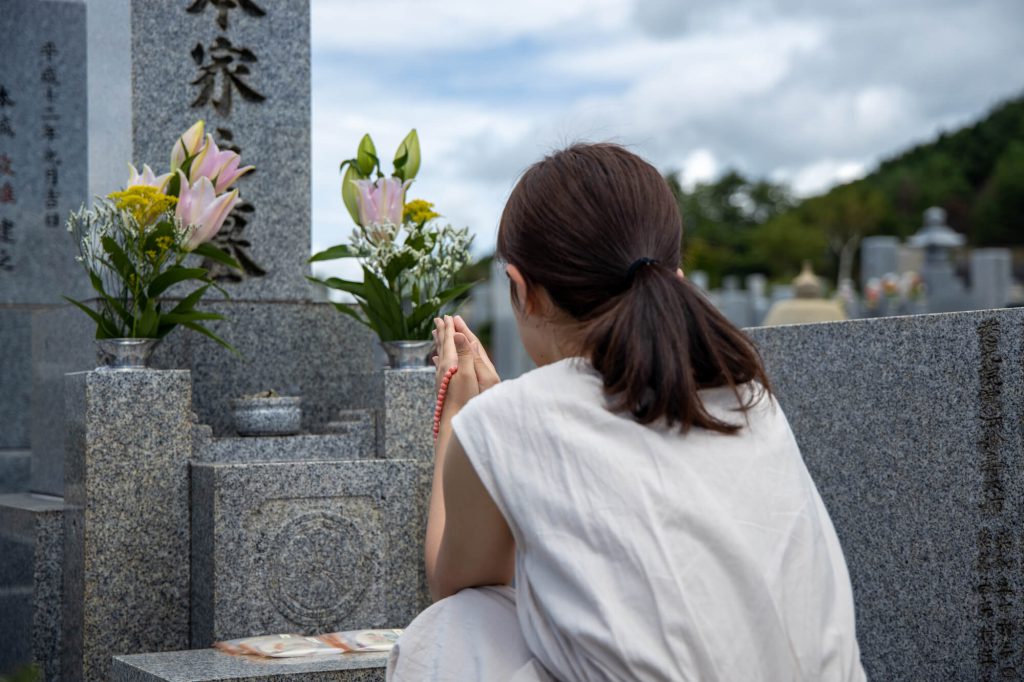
{"x": 16, "y": 370}
{"x": 169, "y": 64}
{"x": 210, "y": 665}
{"x": 302, "y": 349}
{"x": 126, "y": 581}
{"x": 409, "y": 402}
{"x": 43, "y": 147}
{"x": 911, "y": 428}
{"x": 31, "y": 566}
{"x": 359, "y": 444}
{"x": 306, "y": 547}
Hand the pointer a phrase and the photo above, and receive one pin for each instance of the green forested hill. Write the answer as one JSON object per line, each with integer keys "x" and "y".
{"x": 737, "y": 225}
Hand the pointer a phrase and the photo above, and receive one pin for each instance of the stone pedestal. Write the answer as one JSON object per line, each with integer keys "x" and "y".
{"x": 407, "y": 424}
{"x": 210, "y": 665}
{"x": 910, "y": 428}
{"x": 126, "y": 579}
{"x": 31, "y": 565}
{"x": 306, "y": 547}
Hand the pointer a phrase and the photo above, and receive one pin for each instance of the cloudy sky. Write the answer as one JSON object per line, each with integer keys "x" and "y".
{"x": 812, "y": 92}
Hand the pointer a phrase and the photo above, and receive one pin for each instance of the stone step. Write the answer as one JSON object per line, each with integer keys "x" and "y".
{"x": 207, "y": 665}
{"x": 356, "y": 439}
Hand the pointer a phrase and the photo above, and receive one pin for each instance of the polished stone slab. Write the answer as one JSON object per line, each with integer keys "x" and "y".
{"x": 210, "y": 665}
{"x": 912, "y": 429}
{"x": 16, "y": 371}
{"x": 306, "y": 547}
{"x": 31, "y": 582}
{"x": 126, "y": 533}
{"x": 359, "y": 444}
{"x": 15, "y": 470}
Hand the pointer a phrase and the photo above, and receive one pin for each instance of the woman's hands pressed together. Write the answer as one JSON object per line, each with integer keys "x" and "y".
{"x": 457, "y": 346}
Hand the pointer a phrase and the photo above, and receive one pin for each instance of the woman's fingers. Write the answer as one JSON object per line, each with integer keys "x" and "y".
{"x": 462, "y": 327}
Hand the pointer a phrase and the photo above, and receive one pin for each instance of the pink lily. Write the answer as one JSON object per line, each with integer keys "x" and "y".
{"x": 219, "y": 165}
{"x": 187, "y": 145}
{"x": 381, "y": 201}
{"x": 147, "y": 178}
{"x": 231, "y": 172}
{"x": 201, "y": 210}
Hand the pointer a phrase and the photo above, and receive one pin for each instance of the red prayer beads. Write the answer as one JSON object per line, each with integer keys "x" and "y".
{"x": 440, "y": 398}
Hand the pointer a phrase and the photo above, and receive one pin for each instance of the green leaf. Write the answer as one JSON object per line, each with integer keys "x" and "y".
{"x": 410, "y": 150}
{"x": 427, "y": 311}
{"x": 354, "y": 288}
{"x": 398, "y": 266}
{"x": 334, "y": 253}
{"x": 366, "y": 156}
{"x": 148, "y": 321}
{"x": 350, "y": 193}
{"x": 172, "y": 276}
{"x": 118, "y": 258}
{"x": 351, "y": 312}
{"x": 218, "y": 254}
{"x": 196, "y": 327}
{"x": 382, "y": 301}
{"x": 85, "y": 309}
{"x": 188, "y": 303}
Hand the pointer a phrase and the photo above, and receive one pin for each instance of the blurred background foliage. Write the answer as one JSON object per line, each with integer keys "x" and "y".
{"x": 737, "y": 225}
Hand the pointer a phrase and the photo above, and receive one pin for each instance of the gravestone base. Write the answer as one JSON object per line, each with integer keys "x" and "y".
{"x": 209, "y": 665}
{"x": 306, "y": 547}
{"x": 31, "y": 569}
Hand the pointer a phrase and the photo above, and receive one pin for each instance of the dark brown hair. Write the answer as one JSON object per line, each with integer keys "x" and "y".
{"x": 574, "y": 224}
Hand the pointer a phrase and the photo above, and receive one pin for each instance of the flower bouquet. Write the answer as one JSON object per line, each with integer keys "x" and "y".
{"x": 133, "y": 243}
{"x": 409, "y": 258}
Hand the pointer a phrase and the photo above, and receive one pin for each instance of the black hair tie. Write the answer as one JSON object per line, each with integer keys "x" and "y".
{"x": 637, "y": 264}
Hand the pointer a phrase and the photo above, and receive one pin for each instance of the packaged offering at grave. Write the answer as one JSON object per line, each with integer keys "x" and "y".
{"x": 334, "y": 643}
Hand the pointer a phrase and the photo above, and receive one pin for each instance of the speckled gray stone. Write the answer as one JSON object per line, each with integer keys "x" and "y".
{"x": 42, "y": 148}
{"x": 306, "y": 547}
{"x": 126, "y": 581}
{"x": 16, "y": 370}
{"x": 409, "y": 402}
{"x": 31, "y": 564}
{"x": 308, "y": 349}
{"x": 209, "y": 665}
{"x": 145, "y": 59}
{"x": 359, "y": 443}
{"x": 304, "y": 349}
{"x": 269, "y": 416}
{"x": 912, "y": 430}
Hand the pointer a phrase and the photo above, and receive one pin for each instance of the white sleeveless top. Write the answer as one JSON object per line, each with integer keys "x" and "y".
{"x": 642, "y": 553}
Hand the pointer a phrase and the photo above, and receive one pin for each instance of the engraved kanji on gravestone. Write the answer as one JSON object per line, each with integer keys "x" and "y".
{"x": 224, "y": 6}
{"x": 6, "y": 168}
{"x": 230, "y": 63}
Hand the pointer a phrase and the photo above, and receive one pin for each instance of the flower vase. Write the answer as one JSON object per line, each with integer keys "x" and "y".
{"x": 407, "y": 354}
{"x": 118, "y": 355}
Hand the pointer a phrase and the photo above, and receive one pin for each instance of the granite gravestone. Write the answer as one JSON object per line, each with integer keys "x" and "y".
{"x": 991, "y": 277}
{"x": 911, "y": 428}
{"x": 42, "y": 176}
{"x": 243, "y": 67}
{"x": 879, "y": 256}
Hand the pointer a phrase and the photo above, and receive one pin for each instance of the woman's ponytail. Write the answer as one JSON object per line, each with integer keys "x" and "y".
{"x": 661, "y": 341}
{"x": 599, "y": 229}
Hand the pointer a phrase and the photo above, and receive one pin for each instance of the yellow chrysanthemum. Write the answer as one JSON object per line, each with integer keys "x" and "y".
{"x": 419, "y": 211}
{"x": 144, "y": 203}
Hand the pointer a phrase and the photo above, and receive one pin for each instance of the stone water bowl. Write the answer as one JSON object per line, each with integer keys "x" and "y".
{"x": 267, "y": 414}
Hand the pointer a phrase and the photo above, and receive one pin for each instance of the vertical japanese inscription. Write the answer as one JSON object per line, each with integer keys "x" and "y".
{"x": 50, "y": 132}
{"x": 224, "y": 71}
{"x": 997, "y": 544}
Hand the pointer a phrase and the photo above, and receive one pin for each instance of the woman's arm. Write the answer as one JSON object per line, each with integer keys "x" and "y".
{"x": 468, "y": 542}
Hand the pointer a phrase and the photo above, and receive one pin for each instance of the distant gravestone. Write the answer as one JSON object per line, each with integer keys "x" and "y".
{"x": 991, "y": 277}
{"x": 42, "y": 148}
{"x": 243, "y": 67}
{"x": 879, "y": 256}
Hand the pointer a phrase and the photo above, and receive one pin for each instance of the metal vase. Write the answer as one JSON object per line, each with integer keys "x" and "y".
{"x": 120, "y": 355}
{"x": 407, "y": 354}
